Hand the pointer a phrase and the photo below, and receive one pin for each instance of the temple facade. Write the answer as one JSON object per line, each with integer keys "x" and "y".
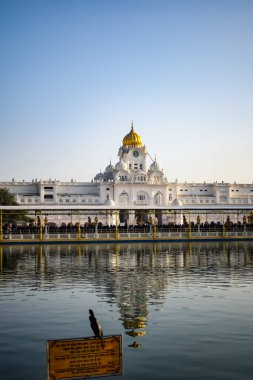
{"x": 130, "y": 183}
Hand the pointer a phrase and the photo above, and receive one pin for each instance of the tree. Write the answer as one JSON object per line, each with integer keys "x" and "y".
{"x": 7, "y": 199}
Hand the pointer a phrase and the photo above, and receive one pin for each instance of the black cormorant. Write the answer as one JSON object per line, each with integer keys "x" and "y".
{"x": 96, "y": 327}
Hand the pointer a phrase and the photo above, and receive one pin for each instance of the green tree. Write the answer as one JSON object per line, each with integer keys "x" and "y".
{"x": 7, "y": 199}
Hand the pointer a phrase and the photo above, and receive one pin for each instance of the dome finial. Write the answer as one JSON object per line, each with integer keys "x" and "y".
{"x": 132, "y": 138}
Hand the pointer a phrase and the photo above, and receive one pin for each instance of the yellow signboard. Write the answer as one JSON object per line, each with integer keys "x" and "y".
{"x": 84, "y": 357}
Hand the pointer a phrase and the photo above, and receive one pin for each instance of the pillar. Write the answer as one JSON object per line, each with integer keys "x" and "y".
{"x": 96, "y": 226}
{"x": 79, "y": 226}
{"x": 155, "y": 222}
{"x": 1, "y": 225}
{"x": 41, "y": 232}
{"x": 223, "y": 225}
{"x": 116, "y": 225}
{"x": 131, "y": 220}
{"x": 189, "y": 227}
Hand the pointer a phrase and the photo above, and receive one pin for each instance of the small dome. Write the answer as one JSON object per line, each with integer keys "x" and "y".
{"x": 109, "y": 202}
{"x": 177, "y": 203}
{"x": 132, "y": 139}
{"x": 109, "y": 169}
{"x": 154, "y": 165}
{"x": 121, "y": 165}
{"x": 100, "y": 177}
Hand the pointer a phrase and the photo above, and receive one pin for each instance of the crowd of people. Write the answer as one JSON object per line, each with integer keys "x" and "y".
{"x": 52, "y": 228}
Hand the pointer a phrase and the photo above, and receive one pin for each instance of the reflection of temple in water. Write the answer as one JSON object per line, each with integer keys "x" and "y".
{"x": 133, "y": 276}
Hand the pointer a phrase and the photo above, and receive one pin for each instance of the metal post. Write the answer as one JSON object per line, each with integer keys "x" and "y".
{"x": 41, "y": 234}
{"x": 223, "y": 226}
{"x": 96, "y": 226}
{"x": 189, "y": 227}
{"x": 116, "y": 229}
{"x": 150, "y": 226}
{"x": 79, "y": 226}
{"x": 198, "y": 224}
{"x": 244, "y": 225}
{"x": 45, "y": 224}
{"x": 154, "y": 235}
{"x": 1, "y": 225}
{"x": 1, "y": 258}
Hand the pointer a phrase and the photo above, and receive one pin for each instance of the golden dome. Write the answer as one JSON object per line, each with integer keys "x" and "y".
{"x": 132, "y": 138}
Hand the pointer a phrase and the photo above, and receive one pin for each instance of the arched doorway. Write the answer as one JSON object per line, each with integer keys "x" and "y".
{"x": 123, "y": 217}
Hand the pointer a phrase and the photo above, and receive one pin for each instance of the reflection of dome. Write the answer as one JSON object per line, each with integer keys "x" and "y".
{"x": 134, "y": 322}
{"x": 176, "y": 202}
{"x": 121, "y": 165}
{"x": 132, "y": 138}
{"x": 154, "y": 165}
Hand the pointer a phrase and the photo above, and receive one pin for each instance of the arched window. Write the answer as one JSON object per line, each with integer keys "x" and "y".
{"x": 158, "y": 198}
{"x": 123, "y": 198}
{"x": 142, "y": 198}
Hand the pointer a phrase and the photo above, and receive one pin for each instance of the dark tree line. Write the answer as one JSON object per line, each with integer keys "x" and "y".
{"x": 7, "y": 199}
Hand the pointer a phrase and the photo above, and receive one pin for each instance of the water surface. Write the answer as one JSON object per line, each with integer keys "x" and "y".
{"x": 188, "y": 306}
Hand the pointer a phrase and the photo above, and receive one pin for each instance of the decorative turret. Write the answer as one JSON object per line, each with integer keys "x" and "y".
{"x": 155, "y": 173}
{"x": 106, "y": 176}
{"x": 154, "y": 165}
{"x": 109, "y": 169}
{"x": 121, "y": 165}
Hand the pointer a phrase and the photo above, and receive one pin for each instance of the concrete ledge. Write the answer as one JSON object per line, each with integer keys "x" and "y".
{"x": 125, "y": 240}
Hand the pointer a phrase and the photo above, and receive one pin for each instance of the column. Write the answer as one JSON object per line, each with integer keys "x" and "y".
{"x": 116, "y": 224}
{"x": 1, "y": 225}
{"x": 79, "y": 226}
{"x": 189, "y": 227}
{"x": 223, "y": 225}
{"x": 41, "y": 232}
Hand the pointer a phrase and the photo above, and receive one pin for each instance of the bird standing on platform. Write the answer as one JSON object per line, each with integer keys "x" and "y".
{"x": 96, "y": 327}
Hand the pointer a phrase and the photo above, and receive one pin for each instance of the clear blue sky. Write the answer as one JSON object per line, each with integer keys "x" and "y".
{"x": 75, "y": 73}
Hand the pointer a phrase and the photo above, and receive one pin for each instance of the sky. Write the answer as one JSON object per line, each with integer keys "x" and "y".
{"x": 74, "y": 74}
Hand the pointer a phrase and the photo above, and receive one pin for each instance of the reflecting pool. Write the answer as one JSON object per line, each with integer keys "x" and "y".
{"x": 185, "y": 310}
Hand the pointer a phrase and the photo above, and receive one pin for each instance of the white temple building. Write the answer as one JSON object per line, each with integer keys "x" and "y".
{"x": 129, "y": 184}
